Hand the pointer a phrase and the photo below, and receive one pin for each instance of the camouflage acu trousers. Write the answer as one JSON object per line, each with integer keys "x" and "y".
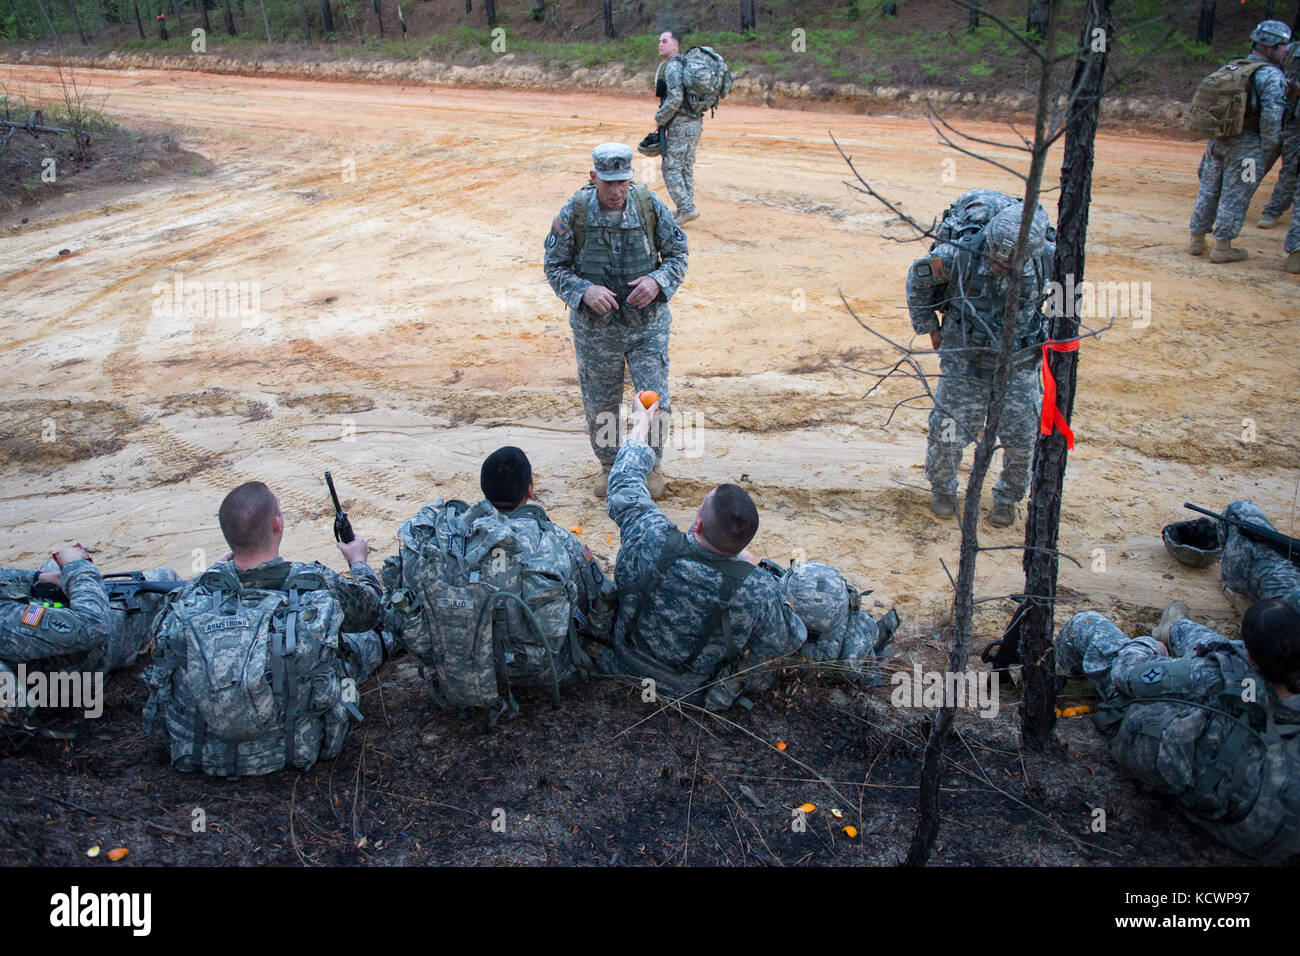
{"x": 1229, "y": 173}
{"x": 1288, "y": 175}
{"x": 604, "y": 349}
{"x": 1089, "y": 642}
{"x": 1293, "y": 234}
{"x": 682, "y": 135}
{"x": 961, "y": 406}
{"x": 1255, "y": 569}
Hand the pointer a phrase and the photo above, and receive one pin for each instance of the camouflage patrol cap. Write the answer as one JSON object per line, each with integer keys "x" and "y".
{"x": 819, "y": 595}
{"x": 612, "y": 162}
{"x": 1004, "y": 230}
{"x": 1271, "y": 33}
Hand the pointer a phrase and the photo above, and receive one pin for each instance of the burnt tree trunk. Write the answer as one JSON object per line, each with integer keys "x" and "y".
{"x": 974, "y": 18}
{"x": 1205, "y": 26}
{"x": 963, "y": 606}
{"x": 203, "y": 10}
{"x": 1036, "y": 20}
{"x": 76, "y": 18}
{"x": 491, "y": 7}
{"x": 607, "y": 12}
{"x": 1043, "y": 520}
{"x": 306, "y": 25}
{"x": 230, "y": 21}
{"x": 139, "y": 24}
{"x": 326, "y": 17}
{"x": 746, "y": 15}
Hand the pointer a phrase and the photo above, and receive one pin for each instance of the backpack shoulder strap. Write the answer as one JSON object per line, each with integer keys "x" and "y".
{"x": 649, "y": 217}
{"x": 581, "y": 203}
{"x": 536, "y": 512}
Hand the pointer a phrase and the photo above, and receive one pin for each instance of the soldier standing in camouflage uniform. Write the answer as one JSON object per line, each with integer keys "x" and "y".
{"x": 1288, "y": 173}
{"x": 1231, "y": 168}
{"x": 679, "y": 129}
{"x": 693, "y": 618}
{"x": 966, "y": 283}
{"x": 1215, "y": 726}
{"x": 617, "y": 287}
{"x": 63, "y": 615}
{"x": 1292, "y": 245}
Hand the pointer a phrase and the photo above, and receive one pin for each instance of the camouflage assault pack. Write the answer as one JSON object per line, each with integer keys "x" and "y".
{"x": 1221, "y": 104}
{"x": 705, "y": 79}
{"x": 251, "y": 680}
{"x": 486, "y": 601}
{"x": 1230, "y": 765}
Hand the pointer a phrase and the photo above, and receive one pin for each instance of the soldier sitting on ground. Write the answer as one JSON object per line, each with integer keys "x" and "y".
{"x": 62, "y": 616}
{"x": 692, "y": 616}
{"x": 494, "y": 596}
{"x": 1215, "y": 726}
{"x": 258, "y": 660}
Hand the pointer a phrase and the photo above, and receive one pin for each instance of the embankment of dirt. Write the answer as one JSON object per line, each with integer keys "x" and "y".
{"x": 1154, "y": 114}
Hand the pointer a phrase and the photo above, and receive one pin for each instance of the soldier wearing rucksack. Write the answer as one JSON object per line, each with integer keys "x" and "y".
{"x": 693, "y": 84}
{"x": 1211, "y": 723}
{"x": 258, "y": 661}
{"x": 495, "y": 597}
{"x": 1239, "y": 108}
{"x": 1288, "y": 173}
{"x": 964, "y": 281}
{"x": 696, "y": 616}
{"x": 615, "y": 257}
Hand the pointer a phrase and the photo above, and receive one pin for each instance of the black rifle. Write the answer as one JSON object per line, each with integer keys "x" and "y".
{"x": 125, "y": 587}
{"x": 342, "y": 526}
{"x": 1288, "y": 547}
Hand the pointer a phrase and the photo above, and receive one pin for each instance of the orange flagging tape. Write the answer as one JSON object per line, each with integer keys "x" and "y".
{"x": 1053, "y": 420}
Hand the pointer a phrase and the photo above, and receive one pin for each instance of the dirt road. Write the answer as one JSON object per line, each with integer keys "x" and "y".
{"x": 403, "y": 329}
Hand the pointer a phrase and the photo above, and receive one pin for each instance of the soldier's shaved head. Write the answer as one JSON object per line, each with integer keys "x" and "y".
{"x": 728, "y": 519}
{"x": 247, "y": 516}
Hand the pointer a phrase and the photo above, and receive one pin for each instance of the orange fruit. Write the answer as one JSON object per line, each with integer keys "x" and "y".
{"x": 647, "y": 398}
{"x": 117, "y": 854}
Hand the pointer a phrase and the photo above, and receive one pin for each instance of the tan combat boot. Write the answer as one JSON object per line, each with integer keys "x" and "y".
{"x": 1223, "y": 252}
{"x": 1002, "y": 514}
{"x": 1196, "y": 246}
{"x": 1293, "y": 263}
{"x": 602, "y": 483}
{"x": 1173, "y": 612}
{"x": 655, "y": 481}
{"x": 1266, "y": 221}
{"x": 943, "y": 505}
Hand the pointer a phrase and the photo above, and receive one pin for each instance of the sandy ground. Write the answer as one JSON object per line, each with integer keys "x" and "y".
{"x": 406, "y": 330}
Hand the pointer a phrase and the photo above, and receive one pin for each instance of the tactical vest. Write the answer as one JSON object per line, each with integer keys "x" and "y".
{"x": 977, "y": 302}
{"x": 615, "y": 256}
{"x": 681, "y": 679}
{"x": 1230, "y": 764}
{"x": 250, "y": 679}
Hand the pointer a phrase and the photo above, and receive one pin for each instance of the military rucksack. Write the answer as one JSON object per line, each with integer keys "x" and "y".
{"x": 964, "y": 222}
{"x": 251, "y": 679}
{"x": 1230, "y": 765}
{"x": 485, "y": 601}
{"x": 705, "y": 79}
{"x": 638, "y": 193}
{"x": 1222, "y": 100}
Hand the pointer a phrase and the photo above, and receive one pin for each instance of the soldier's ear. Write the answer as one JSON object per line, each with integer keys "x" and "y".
{"x": 592, "y": 176}
{"x": 277, "y": 524}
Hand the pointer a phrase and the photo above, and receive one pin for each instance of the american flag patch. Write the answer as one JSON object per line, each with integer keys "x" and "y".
{"x": 32, "y": 616}
{"x": 936, "y": 267}
{"x": 586, "y": 553}
{"x": 558, "y": 225}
